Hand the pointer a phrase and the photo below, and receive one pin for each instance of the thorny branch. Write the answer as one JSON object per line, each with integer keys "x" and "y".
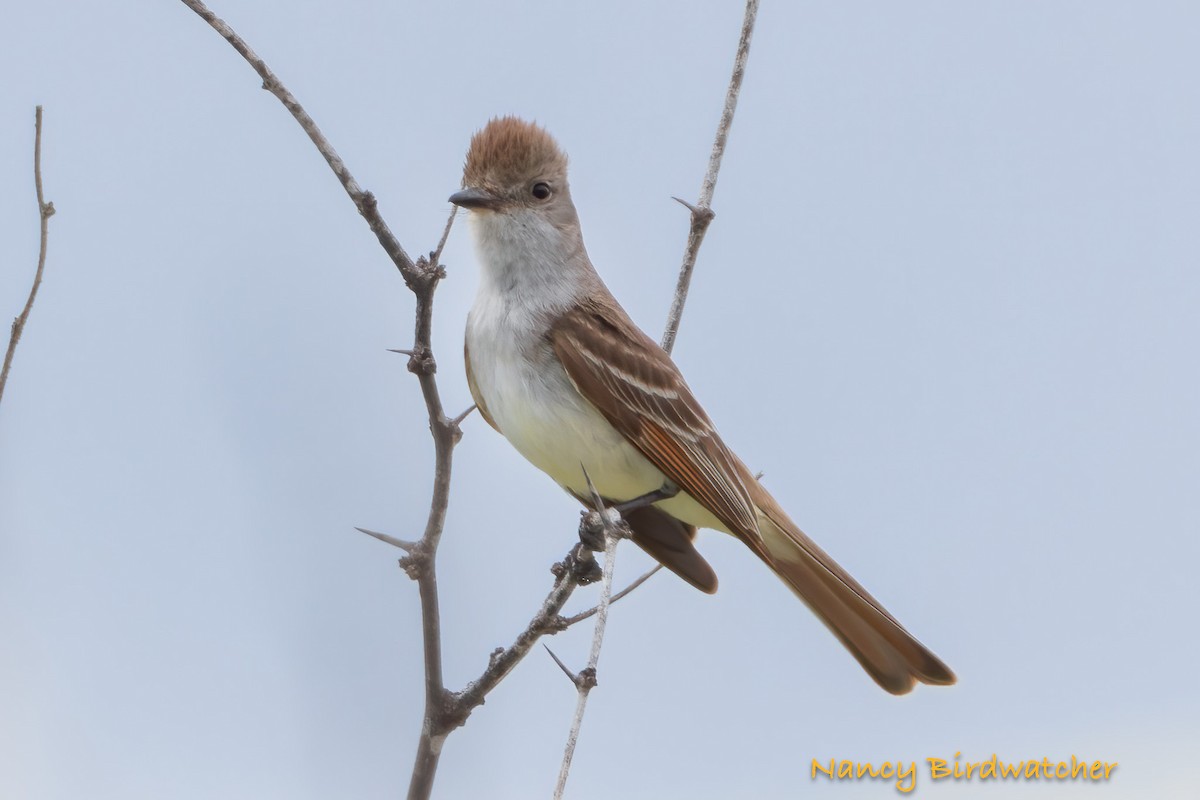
{"x": 445, "y": 711}
{"x": 702, "y": 216}
{"x": 364, "y": 201}
{"x": 577, "y": 568}
{"x": 614, "y": 530}
{"x": 422, "y": 277}
{"x": 45, "y": 211}
{"x": 702, "y": 213}
{"x": 591, "y": 612}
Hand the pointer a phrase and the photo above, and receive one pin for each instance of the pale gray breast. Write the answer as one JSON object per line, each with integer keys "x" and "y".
{"x": 541, "y": 413}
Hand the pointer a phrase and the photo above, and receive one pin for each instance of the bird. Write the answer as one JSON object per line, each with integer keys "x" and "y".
{"x": 557, "y": 366}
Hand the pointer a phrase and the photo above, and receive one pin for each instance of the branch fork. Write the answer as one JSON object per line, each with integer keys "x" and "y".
{"x": 445, "y": 710}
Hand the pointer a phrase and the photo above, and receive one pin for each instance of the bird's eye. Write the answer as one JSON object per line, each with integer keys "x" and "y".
{"x": 541, "y": 190}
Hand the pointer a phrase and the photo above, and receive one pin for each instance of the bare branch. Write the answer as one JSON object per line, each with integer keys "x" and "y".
{"x": 445, "y": 711}
{"x": 437, "y": 721}
{"x": 575, "y": 569}
{"x": 422, "y": 277}
{"x": 436, "y": 255}
{"x": 586, "y": 679}
{"x": 364, "y": 201}
{"x": 614, "y": 529}
{"x": 45, "y": 212}
{"x": 582, "y": 615}
{"x": 701, "y": 216}
{"x": 567, "y": 575}
{"x": 702, "y": 213}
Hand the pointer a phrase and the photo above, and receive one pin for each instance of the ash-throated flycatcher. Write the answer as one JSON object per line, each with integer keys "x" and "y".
{"x": 557, "y": 366}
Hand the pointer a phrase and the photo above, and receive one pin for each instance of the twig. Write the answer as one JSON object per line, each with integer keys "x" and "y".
{"x": 702, "y": 213}
{"x": 45, "y": 212}
{"x": 422, "y": 277}
{"x": 445, "y": 711}
{"x": 568, "y": 574}
{"x": 436, "y": 255}
{"x": 586, "y": 679}
{"x": 702, "y": 216}
{"x": 364, "y": 201}
{"x": 578, "y": 567}
{"x": 582, "y": 615}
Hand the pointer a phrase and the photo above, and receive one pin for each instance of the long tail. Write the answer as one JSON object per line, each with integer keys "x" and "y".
{"x": 889, "y": 653}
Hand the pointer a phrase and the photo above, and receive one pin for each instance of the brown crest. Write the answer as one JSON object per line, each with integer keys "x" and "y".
{"x": 510, "y": 151}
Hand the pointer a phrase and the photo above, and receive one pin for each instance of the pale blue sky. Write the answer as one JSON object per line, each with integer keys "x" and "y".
{"x": 948, "y": 305}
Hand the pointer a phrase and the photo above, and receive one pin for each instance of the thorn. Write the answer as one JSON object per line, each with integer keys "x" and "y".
{"x": 571, "y": 676}
{"x": 701, "y": 215}
{"x": 603, "y": 521}
{"x": 407, "y": 547}
{"x": 685, "y": 204}
{"x": 592, "y": 489}
{"x": 408, "y": 353}
{"x": 458, "y": 420}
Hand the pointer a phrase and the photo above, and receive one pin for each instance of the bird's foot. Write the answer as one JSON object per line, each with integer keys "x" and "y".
{"x": 592, "y": 526}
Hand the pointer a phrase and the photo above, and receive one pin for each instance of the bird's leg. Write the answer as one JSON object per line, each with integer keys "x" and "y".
{"x": 664, "y": 492}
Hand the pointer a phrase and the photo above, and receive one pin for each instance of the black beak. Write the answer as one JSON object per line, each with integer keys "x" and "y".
{"x": 475, "y": 198}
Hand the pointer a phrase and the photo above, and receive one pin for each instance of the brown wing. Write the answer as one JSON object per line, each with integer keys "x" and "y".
{"x": 639, "y": 390}
{"x": 670, "y": 543}
{"x": 475, "y": 395}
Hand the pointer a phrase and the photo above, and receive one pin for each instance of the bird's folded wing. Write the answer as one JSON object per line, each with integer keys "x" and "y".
{"x": 476, "y": 395}
{"x": 639, "y": 390}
